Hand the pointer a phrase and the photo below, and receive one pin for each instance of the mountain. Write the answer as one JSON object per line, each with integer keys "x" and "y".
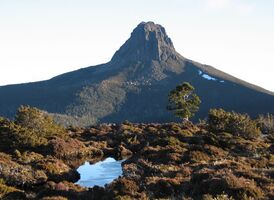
{"x": 134, "y": 86}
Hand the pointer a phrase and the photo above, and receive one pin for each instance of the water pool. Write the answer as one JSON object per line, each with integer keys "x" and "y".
{"x": 99, "y": 173}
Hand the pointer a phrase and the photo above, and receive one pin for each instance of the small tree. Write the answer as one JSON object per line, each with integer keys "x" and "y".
{"x": 183, "y": 102}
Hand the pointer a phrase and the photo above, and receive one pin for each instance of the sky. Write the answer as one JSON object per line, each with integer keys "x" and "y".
{"x": 40, "y": 39}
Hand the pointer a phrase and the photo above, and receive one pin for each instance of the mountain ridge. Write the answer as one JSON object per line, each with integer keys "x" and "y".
{"x": 134, "y": 86}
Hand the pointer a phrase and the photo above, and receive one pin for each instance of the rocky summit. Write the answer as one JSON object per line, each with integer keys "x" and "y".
{"x": 148, "y": 42}
{"x": 134, "y": 86}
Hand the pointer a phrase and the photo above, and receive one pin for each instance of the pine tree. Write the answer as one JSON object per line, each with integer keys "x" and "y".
{"x": 183, "y": 102}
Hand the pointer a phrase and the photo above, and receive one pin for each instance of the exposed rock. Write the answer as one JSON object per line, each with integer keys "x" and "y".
{"x": 148, "y": 42}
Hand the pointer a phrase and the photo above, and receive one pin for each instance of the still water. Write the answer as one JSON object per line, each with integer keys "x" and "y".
{"x": 100, "y": 173}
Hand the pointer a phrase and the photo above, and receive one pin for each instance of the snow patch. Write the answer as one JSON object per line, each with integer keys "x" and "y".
{"x": 206, "y": 76}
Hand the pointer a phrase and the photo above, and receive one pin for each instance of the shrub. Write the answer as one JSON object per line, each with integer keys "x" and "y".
{"x": 198, "y": 156}
{"x": 218, "y": 197}
{"x": 31, "y": 128}
{"x": 38, "y": 122}
{"x": 183, "y": 132}
{"x": 15, "y": 136}
{"x": 67, "y": 148}
{"x": 173, "y": 141}
{"x": 123, "y": 186}
{"x": 55, "y": 198}
{"x": 232, "y": 122}
{"x": 119, "y": 197}
{"x": 266, "y": 123}
{"x": 53, "y": 167}
{"x": 5, "y": 190}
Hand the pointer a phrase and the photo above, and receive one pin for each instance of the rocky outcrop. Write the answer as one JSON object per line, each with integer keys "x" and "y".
{"x": 148, "y": 42}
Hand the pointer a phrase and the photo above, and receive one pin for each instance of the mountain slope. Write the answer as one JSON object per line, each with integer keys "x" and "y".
{"x": 134, "y": 86}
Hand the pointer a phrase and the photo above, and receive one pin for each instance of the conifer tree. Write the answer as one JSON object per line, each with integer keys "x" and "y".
{"x": 183, "y": 102}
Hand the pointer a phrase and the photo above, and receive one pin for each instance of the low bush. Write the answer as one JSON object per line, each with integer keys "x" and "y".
{"x": 217, "y": 197}
{"x": 235, "y": 123}
{"x": 31, "y": 128}
{"x": 55, "y": 198}
{"x": 6, "y": 190}
{"x": 266, "y": 124}
{"x": 38, "y": 122}
{"x": 198, "y": 156}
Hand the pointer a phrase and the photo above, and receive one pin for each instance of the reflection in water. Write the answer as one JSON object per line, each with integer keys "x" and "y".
{"x": 100, "y": 173}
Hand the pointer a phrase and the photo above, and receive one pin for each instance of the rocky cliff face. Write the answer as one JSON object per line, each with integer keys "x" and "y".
{"x": 148, "y": 42}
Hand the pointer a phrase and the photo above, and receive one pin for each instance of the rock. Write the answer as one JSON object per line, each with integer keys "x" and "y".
{"x": 148, "y": 42}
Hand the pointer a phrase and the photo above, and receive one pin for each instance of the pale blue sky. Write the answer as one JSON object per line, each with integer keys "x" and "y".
{"x": 43, "y": 38}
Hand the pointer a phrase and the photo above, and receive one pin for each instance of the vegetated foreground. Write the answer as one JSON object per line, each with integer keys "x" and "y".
{"x": 226, "y": 157}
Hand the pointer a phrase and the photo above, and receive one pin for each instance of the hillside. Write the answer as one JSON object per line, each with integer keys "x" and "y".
{"x": 134, "y": 86}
